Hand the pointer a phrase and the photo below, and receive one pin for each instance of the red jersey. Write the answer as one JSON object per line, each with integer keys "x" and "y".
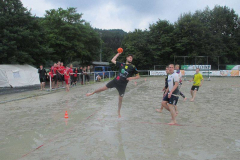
{"x": 70, "y": 70}
{"x": 58, "y": 68}
{"x": 54, "y": 70}
{"x": 66, "y": 73}
{"x": 61, "y": 69}
{"x": 75, "y": 73}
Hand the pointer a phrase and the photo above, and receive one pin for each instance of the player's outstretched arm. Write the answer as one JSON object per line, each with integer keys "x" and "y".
{"x": 115, "y": 58}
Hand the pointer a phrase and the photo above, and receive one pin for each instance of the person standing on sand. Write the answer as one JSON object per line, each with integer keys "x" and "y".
{"x": 164, "y": 89}
{"x": 171, "y": 98}
{"x": 197, "y": 82}
{"x": 126, "y": 72}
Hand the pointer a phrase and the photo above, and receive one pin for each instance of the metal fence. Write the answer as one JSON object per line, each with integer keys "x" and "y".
{"x": 154, "y": 73}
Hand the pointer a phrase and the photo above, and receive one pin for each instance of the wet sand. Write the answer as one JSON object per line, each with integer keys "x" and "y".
{"x": 35, "y": 128}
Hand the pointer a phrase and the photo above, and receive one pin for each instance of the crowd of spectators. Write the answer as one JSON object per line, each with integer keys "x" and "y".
{"x": 59, "y": 74}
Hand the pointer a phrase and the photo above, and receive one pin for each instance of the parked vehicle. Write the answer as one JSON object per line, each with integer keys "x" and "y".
{"x": 103, "y": 71}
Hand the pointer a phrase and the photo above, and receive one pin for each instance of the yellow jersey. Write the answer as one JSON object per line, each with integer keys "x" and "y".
{"x": 197, "y": 79}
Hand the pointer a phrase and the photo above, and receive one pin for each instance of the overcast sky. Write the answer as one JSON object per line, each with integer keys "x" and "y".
{"x": 128, "y": 14}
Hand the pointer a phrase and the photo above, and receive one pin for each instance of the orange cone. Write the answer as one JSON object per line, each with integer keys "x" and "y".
{"x": 66, "y": 115}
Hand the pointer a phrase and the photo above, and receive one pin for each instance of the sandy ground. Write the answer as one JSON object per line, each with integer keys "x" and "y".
{"x": 35, "y": 128}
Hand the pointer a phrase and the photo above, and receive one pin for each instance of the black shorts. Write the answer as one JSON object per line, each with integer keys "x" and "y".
{"x": 120, "y": 87}
{"x": 172, "y": 100}
{"x": 75, "y": 79}
{"x": 59, "y": 77}
{"x": 195, "y": 88}
{"x": 42, "y": 80}
{"x": 54, "y": 78}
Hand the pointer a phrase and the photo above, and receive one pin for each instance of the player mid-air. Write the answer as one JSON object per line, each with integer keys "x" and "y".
{"x": 126, "y": 73}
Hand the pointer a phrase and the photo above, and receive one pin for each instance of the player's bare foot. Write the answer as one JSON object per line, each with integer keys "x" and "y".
{"x": 172, "y": 123}
{"x": 191, "y": 100}
{"x": 119, "y": 116}
{"x": 185, "y": 99}
{"x": 89, "y": 94}
{"x": 159, "y": 110}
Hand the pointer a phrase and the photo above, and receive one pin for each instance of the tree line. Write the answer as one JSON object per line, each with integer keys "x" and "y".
{"x": 62, "y": 35}
{"x": 214, "y": 33}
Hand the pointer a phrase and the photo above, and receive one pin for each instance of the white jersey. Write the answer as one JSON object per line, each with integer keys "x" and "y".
{"x": 172, "y": 78}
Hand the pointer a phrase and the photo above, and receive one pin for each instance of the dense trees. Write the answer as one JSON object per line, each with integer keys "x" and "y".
{"x": 71, "y": 38}
{"x": 63, "y": 35}
{"x": 21, "y": 38}
{"x": 213, "y": 33}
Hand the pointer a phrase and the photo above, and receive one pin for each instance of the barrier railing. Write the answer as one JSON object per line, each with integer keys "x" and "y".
{"x": 104, "y": 75}
{"x": 147, "y": 73}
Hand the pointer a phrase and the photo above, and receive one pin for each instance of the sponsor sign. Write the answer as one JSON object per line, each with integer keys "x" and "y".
{"x": 194, "y": 67}
{"x": 158, "y": 73}
{"x": 222, "y": 73}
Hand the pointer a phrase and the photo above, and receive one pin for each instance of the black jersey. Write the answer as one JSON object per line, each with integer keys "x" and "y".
{"x": 42, "y": 73}
{"x": 166, "y": 82}
{"x": 125, "y": 71}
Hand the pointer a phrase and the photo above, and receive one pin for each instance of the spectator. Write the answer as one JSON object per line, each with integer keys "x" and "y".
{"x": 81, "y": 74}
{"x": 75, "y": 76}
{"x": 54, "y": 72}
{"x": 71, "y": 73}
{"x": 61, "y": 70}
{"x": 88, "y": 72}
{"x": 84, "y": 74}
{"x": 67, "y": 77}
{"x": 59, "y": 76}
{"x": 42, "y": 76}
{"x": 98, "y": 78}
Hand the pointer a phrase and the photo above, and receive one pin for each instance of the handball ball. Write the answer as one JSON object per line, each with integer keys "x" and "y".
{"x": 120, "y": 50}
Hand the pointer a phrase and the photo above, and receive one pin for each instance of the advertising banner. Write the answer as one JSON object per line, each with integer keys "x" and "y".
{"x": 194, "y": 67}
{"x": 158, "y": 73}
{"x": 229, "y": 72}
{"x": 222, "y": 73}
{"x": 233, "y": 67}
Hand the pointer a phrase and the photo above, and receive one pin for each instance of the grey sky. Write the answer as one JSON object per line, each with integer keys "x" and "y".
{"x": 128, "y": 14}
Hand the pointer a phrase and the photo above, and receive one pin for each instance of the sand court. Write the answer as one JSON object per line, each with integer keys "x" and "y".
{"x": 35, "y": 128}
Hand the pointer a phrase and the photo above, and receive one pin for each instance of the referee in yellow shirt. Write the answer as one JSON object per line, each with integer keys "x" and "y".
{"x": 197, "y": 82}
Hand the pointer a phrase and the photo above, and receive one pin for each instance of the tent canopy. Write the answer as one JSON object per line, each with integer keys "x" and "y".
{"x": 18, "y": 75}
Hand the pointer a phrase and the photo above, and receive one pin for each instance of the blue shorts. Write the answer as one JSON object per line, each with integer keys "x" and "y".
{"x": 172, "y": 100}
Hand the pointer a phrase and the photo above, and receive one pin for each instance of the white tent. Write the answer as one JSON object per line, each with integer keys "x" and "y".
{"x": 18, "y": 75}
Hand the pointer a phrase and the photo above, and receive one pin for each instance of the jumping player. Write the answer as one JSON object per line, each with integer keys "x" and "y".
{"x": 171, "y": 98}
{"x": 126, "y": 72}
{"x": 197, "y": 82}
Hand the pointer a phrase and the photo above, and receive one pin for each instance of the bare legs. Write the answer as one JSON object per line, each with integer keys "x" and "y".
{"x": 103, "y": 89}
{"x": 193, "y": 93}
{"x": 119, "y": 106}
{"x": 98, "y": 90}
{"x": 67, "y": 87}
{"x": 171, "y": 109}
{"x": 160, "y": 110}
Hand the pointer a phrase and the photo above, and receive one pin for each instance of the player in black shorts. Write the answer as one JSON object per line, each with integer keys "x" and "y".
{"x": 164, "y": 89}
{"x": 126, "y": 72}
